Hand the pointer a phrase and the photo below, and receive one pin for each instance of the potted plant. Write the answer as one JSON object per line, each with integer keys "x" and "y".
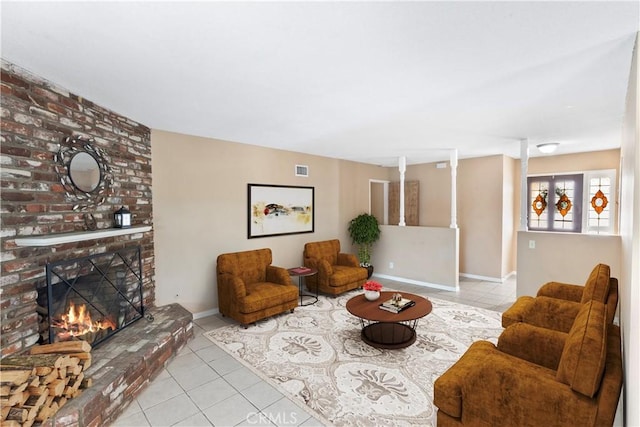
{"x": 364, "y": 231}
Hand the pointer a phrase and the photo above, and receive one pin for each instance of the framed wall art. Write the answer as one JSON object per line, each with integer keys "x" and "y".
{"x": 276, "y": 210}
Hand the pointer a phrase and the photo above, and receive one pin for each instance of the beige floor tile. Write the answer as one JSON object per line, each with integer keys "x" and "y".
{"x": 172, "y": 411}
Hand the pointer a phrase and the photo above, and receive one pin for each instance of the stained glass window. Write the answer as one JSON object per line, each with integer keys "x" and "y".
{"x": 600, "y": 207}
{"x": 573, "y": 203}
{"x": 538, "y": 212}
{"x": 556, "y": 203}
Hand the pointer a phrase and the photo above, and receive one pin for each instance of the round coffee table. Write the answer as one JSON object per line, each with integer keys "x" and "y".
{"x": 383, "y": 329}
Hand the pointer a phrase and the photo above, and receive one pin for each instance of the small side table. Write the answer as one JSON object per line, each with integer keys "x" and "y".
{"x": 301, "y": 272}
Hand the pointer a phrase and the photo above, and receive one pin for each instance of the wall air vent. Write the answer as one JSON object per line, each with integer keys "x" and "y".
{"x": 302, "y": 170}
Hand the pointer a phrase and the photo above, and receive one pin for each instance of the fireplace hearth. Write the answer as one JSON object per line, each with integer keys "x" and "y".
{"x": 91, "y": 298}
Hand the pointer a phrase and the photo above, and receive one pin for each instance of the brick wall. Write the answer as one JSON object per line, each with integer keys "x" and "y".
{"x": 35, "y": 117}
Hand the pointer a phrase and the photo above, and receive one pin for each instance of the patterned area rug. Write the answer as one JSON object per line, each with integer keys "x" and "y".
{"x": 316, "y": 357}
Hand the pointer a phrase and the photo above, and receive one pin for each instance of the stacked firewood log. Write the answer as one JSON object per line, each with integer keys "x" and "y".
{"x": 35, "y": 386}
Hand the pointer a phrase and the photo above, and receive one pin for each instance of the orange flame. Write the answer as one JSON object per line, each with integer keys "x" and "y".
{"x": 77, "y": 323}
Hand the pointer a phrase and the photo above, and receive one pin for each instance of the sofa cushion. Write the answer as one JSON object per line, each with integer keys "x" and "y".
{"x": 263, "y": 295}
{"x": 597, "y": 285}
{"x": 342, "y": 275}
{"x": 584, "y": 354}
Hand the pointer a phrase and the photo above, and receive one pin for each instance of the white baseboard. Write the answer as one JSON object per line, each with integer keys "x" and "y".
{"x": 205, "y": 313}
{"x": 487, "y": 278}
{"x": 417, "y": 282}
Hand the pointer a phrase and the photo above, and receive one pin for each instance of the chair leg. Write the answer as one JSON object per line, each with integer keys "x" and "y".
{"x": 291, "y": 311}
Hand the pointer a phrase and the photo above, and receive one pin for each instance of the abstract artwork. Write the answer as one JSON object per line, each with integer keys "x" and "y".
{"x": 275, "y": 210}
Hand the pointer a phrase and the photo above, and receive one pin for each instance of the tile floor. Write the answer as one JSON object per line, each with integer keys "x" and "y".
{"x": 203, "y": 386}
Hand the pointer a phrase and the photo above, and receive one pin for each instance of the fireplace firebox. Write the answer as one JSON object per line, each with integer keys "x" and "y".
{"x": 91, "y": 298}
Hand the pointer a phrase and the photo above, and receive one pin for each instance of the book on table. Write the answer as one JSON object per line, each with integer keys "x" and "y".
{"x": 300, "y": 270}
{"x": 397, "y": 306}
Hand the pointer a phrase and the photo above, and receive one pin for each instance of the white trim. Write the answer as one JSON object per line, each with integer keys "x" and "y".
{"x": 57, "y": 239}
{"x": 418, "y": 282}
{"x": 487, "y": 278}
{"x": 206, "y": 313}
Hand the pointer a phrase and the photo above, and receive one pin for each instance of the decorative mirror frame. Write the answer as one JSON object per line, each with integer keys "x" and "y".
{"x": 71, "y": 146}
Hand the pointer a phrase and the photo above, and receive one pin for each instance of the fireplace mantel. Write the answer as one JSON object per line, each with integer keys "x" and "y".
{"x": 56, "y": 239}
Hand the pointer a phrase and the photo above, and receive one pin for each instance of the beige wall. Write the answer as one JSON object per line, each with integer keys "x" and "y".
{"x": 563, "y": 257}
{"x": 630, "y": 236}
{"x": 200, "y": 208}
{"x": 509, "y": 219}
{"x": 578, "y": 162}
{"x": 480, "y": 208}
{"x": 435, "y": 193}
{"x": 353, "y": 188}
{"x": 420, "y": 255}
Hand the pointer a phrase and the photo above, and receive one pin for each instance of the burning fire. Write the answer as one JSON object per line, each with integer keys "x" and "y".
{"x": 78, "y": 323}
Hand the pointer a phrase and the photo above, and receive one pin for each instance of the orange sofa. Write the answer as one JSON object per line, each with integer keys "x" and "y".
{"x": 537, "y": 376}
{"x": 250, "y": 288}
{"x": 337, "y": 272}
{"x": 557, "y": 304}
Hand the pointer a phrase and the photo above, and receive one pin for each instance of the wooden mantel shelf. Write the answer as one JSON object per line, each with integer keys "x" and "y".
{"x": 57, "y": 239}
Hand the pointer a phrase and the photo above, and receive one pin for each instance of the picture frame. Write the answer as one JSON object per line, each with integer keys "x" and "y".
{"x": 277, "y": 210}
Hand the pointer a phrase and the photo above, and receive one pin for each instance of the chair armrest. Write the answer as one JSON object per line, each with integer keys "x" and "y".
{"x": 552, "y": 313}
{"x": 349, "y": 260}
{"x": 447, "y": 389}
{"x": 516, "y": 312}
{"x": 563, "y": 291}
{"x": 324, "y": 268}
{"x": 235, "y": 284}
{"x": 534, "y": 344}
{"x": 278, "y": 275}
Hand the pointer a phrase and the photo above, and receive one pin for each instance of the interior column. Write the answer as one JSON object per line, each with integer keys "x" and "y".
{"x": 402, "y": 166}
{"x": 524, "y": 199}
{"x": 453, "y": 160}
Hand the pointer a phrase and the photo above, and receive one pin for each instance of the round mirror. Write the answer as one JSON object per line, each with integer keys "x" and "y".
{"x": 84, "y": 171}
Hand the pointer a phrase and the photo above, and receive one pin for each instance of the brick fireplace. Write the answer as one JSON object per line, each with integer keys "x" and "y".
{"x": 36, "y": 116}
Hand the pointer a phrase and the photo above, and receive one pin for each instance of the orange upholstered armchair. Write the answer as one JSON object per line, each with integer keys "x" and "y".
{"x": 337, "y": 272}
{"x": 537, "y": 376}
{"x": 250, "y": 288}
{"x": 557, "y": 304}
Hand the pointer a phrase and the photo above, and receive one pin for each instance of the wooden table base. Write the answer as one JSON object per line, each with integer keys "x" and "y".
{"x": 388, "y": 335}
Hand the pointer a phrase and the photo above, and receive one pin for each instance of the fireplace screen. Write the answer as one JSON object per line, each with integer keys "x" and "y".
{"x": 94, "y": 297}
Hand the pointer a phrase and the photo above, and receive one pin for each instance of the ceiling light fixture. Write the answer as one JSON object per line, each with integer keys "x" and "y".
{"x": 548, "y": 147}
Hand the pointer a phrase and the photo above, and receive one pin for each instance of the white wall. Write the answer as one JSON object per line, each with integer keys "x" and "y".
{"x": 630, "y": 232}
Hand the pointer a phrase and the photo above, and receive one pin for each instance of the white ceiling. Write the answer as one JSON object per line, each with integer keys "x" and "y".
{"x": 364, "y": 81}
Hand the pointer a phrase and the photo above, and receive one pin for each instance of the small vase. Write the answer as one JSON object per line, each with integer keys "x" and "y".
{"x": 372, "y": 295}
